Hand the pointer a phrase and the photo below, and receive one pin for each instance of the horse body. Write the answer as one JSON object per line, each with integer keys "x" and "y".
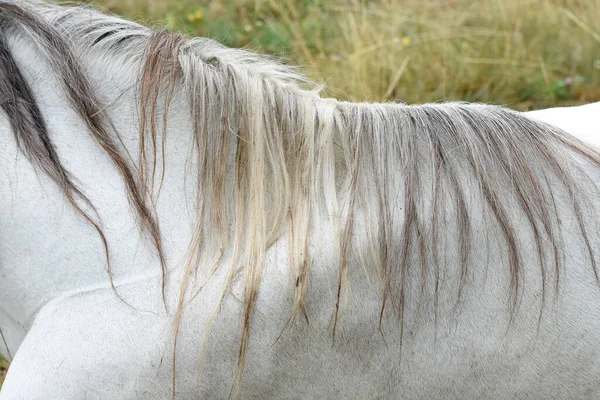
{"x": 580, "y": 121}
{"x": 71, "y": 335}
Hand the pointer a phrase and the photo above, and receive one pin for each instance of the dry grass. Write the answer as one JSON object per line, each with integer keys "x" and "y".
{"x": 3, "y": 368}
{"x": 521, "y": 53}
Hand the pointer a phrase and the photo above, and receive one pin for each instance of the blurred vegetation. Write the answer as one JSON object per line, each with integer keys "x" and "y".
{"x": 521, "y": 53}
{"x": 3, "y": 368}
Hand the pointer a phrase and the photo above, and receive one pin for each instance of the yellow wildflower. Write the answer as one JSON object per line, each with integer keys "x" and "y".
{"x": 195, "y": 16}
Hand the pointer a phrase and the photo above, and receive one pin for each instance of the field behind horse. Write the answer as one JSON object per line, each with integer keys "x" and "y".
{"x": 525, "y": 54}
{"x": 3, "y": 368}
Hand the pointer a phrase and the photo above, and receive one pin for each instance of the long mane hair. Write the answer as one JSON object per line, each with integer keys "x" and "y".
{"x": 274, "y": 159}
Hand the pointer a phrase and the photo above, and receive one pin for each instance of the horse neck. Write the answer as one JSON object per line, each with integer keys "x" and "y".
{"x": 47, "y": 249}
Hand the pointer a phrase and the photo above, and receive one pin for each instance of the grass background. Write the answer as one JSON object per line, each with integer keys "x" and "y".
{"x": 3, "y": 368}
{"x": 524, "y": 54}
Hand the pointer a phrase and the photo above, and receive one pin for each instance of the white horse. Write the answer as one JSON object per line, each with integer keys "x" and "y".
{"x": 582, "y": 121}
{"x": 179, "y": 219}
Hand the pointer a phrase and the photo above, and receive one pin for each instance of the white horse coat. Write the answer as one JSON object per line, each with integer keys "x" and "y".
{"x": 581, "y": 121}
{"x": 69, "y": 336}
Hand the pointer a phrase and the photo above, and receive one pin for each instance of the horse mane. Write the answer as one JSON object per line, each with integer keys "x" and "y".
{"x": 274, "y": 158}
